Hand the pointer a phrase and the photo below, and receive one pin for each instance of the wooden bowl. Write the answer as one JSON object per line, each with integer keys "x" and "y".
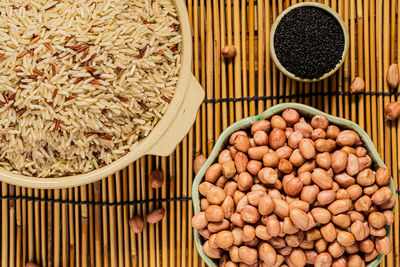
{"x": 161, "y": 141}
{"x": 246, "y": 123}
{"x": 272, "y": 46}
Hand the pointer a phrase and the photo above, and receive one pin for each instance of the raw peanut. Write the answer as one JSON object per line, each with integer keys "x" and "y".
{"x": 31, "y": 264}
{"x": 221, "y": 181}
{"x": 250, "y": 214}
{"x": 224, "y": 239}
{"x": 344, "y": 180}
{"x": 383, "y": 176}
{"x": 313, "y": 234}
{"x": 230, "y": 264}
{"x": 340, "y": 262}
{"x": 205, "y": 233}
{"x": 371, "y": 256}
{"x": 348, "y": 150}
{"x": 245, "y": 181}
{"x": 266, "y": 205}
{"x": 304, "y": 128}
{"x": 370, "y": 190}
{"x": 324, "y": 160}
{"x": 136, "y": 224}
{"x": 284, "y": 152}
{"x": 388, "y": 204}
{"x": 352, "y": 249}
{"x": 389, "y": 217}
{"x": 224, "y": 156}
{"x": 332, "y": 132}
{"x": 229, "y": 51}
{"x": 285, "y": 166}
{"x": 311, "y": 222}
{"x": 255, "y": 196}
{"x": 254, "y": 166}
{"x": 363, "y": 204}
{"x": 241, "y": 204}
{"x": 335, "y": 186}
{"x": 292, "y": 185}
{"x": 383, "y": 245}
{"x": 335, "y": 249}
{"x": 288, "y": 227}
{"x": 381, "y": 196}
{"x": 248, "y": 255}
{"x": 307, "y": 244}
{"x": 155, "y": 216}
{"x": 357, "y": 86}
{"x": 268, "y": 176}
{"x": 341, "y": 220}
{"x": 377, "y": 219}
{"x": 273, "y": 226}
{"x": 377, "y": 231}
{"x": 342, "y": 194}
{"x": 262, "y": 232}
{"x": 307, "y": 148}
{"x": 277, "y": 242}
{"x": 297, "y": 159}
{"x": 353, "y": 165}
{"x": 354, "y": 216}
{"x": 309, "y": 193}
{"x": 261, "y": 138}
{"x": 305, "y": 178}
{"x": 365, "y": 162}
{"x": 323, "y": 145}
{"x": 199, "y": 221}
{"x": 249, "y": 233}
{"x": 319, "y": 121}
{"x": 340, "y": 206}
{"x": 355, "y": 261}
{"x": 288, "y": 132}
{"x": 156, "y": 179}
{"x": 230, "y": 188}
{"x": 291, "y": 116}
{"x": 345, "y": 238}
{"x": 228, "y": 206}
{"x": 204, "y": 204}
{"x": 393, "y": 76}
{"x": 366, "y": 245}
{"x": 213, "y": 172}
{"x": 215, "y": 195}
{"x": 321, "y": 215}
{"x": 236, "y": 219}
{"x": 215, "y": 227}
{"x": 347, "y": 138}
{"x": 366, "y": 177}
{"x": 242, "y": 143}
{"x": 339, "y": 161}
{"x": 232, "y": 150}
{"x": 285, "y": 251}
{"x": 326, "y": 197}
{"x": 311, "y": 256}
{"x": 294, "y": 139}
{"x": 321, "y": 178}
{"x": 321, "y": 245}
{"x": 241, "y": 162}
{"x": 354, "y": 191}
{"x": 358, "y": 230}
{"x": 198, "y": 163}
{"x": 257, "y": 152}
{"x": 277, "y": 138}
{"x": 228, "y": 169}
{"x": 258, "y": 187}
{"x": 267, "y": 254}
{"x": 214, "y": 213}
{"x": 392, "y": 110}
{"x": 213, "y": 253}
{"x": 281, "y": 208}
{"x": 262, "y": 125}
{"x": 307, "y": 167}
{"x": 278, "y": 122}
{"x": 298, "y": 258}
{"x": 274, "y": 193}
{"x": 299, "y": 218}
{"x": 234, "y": 254}
{"x": 318, "y": 134}
{"x": 204, "y": 187}
{"x": 270, "y": 159}
{"x": 279, "y": 262}
{"x": 299, "y": 204}
{"x": 328, "y": 232}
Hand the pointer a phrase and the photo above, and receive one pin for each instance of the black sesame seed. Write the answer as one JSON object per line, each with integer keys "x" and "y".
{"x": 309, "y": 42}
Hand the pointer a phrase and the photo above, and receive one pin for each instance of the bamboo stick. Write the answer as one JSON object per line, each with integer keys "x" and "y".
{"x": 4, "y": 227}
{"x": 395, "y": 167}
{"x": 237, "y": 69}
{"x": 268, "y": 88}
{"x": 43, "y": 232}
{"x": 91, "y": 224}
{"x": 105, "y": 212}
{"x": 78, "y": 228}
{"x": 36, "y": 212}
{"x": 56, "y": 229}
{"x": 360, "y": 59}
{"x": 120, "y": 222}
{"x": 224, "y": 85}
{"x": 125, "y": 220}
{"x": 97, "y": 226}
{"x": 30, "y": 226}
{"x": 367, "y": 68}
{"x": 18, "y": 217}
{"x": 217, "y": 65}
{"x": 373, "y": 74}
{"x": 151, "y": 227}
{"x": 12, "y": 226}
{"x": 229, "y": 31}
{"x": 243, "y": 45}
{"x": 49, "y": 233}
{"x": 251, "y": 69}
{"x": 85, "y": 226}
{"x": 72, "y": 229}
{"x": 164, "y": 223}
{"x": 353, "y": 54}
{"x": 64, "y": 224}
{"x": 203, "y": 73}
{"x": 112, "y": 218}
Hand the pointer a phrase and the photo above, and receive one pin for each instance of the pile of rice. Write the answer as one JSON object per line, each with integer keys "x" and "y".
{"x": 82, "y": 81}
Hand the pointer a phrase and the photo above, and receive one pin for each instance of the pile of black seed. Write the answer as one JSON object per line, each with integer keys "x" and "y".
{"x": 309, "y": 42}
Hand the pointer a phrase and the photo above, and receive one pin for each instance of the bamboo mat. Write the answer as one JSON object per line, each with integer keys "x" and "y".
{"x": 88, "y": 226}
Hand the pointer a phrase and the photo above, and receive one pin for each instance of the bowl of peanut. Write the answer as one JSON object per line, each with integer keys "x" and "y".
{"x": 293, "y": 186}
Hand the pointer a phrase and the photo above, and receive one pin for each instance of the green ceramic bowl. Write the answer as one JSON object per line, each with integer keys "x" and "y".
{"x": 246, "y": 123}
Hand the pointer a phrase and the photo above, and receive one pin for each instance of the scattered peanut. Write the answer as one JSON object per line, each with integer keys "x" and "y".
{"x": 136, "y": 223}
{"x": 393, "y": 77}
{"x": 156, "y": 178}
{"x": 229, "y": 51}
{"x": 357, "y": 86}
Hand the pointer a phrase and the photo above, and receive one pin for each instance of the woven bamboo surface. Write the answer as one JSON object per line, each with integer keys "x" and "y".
{"x": 88, "y": 226}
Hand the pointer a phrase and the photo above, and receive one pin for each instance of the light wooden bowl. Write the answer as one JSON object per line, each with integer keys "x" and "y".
{"x": 272, "y": 35}
{"x": 246, "y": 123}
{"x": 162, "y": 140}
